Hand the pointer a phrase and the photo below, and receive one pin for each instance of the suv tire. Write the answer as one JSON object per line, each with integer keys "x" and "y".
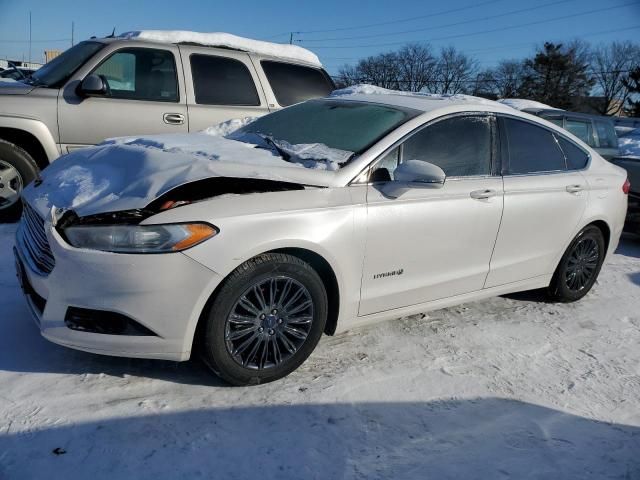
{"x": 18, "y": 169}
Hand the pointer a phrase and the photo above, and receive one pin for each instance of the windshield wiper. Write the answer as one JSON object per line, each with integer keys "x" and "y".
{"x": 285, "y": 155}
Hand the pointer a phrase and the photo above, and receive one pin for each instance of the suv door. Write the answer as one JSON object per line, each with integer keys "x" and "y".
{"x": 145, "y": 96}
{"x": 432, "y": 243}
{"x": 545, "y": 196}
{"x": 221, "y": 85}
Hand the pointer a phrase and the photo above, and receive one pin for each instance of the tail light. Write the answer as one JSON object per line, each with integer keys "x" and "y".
{"x": 626, "y": 187}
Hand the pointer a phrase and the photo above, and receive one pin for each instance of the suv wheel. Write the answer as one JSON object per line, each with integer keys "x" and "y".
{"x": 17, "y": 169}
{"x": 265, "y": 320}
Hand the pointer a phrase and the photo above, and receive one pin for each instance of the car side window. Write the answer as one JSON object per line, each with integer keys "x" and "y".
{"x": 581, "y": 129}
{"x": 296, "y": 83}
{"x": 141, "y": 74}
{"x": 531, "y": 148}
{"x": 576, "y": 158}
{"x": 460, "y": 145}
{"x": 222, "y": 81}
{"x": 606, "y": 134}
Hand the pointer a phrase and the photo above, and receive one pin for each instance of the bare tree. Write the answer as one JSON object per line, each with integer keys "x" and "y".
{"x": 417, "y": 67}
{"x": 456, "y": 72}
{"x": 506, "y": 79}
{"x": 610, "y": 67}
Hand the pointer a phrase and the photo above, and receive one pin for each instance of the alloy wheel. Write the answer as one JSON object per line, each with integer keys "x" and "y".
{"x": 269, "y": 323}
{"x": 582, "y": 264}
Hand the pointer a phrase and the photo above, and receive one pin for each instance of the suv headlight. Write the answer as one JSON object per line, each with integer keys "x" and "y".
{"x": 139, "y": 238}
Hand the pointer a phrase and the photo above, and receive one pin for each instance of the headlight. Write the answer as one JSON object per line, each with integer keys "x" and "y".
{"x": 139, "y": 238}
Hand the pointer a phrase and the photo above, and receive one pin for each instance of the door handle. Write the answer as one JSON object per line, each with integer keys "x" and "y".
{"x": 173, "y": 118}
{"x": 574, "y": 188}
{"x": 483, "y": 194}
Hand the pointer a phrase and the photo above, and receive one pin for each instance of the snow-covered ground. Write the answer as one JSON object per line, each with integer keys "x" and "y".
{"x": 505, "y": 388}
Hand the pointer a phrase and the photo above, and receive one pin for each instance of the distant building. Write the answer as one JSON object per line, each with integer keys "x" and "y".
{"x": 19, "y": 63}
{"x": 50, "y": 55}
{"x": 594, "y": 105}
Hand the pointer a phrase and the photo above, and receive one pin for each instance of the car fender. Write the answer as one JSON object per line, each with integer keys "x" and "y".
{"x": 34, "y": 127}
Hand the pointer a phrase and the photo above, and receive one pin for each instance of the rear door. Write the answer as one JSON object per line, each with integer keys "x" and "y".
{"x": 545, "y": 196}
{"x": 221, "y": 85}
{"x": 146, "y": 96}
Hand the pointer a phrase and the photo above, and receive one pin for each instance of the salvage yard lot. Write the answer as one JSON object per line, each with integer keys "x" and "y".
{"x": 511, "y": 387}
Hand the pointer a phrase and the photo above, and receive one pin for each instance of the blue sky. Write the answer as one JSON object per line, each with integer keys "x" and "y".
{"x": 338, "y": 31}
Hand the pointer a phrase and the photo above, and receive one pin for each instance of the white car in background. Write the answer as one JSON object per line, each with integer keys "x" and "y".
{"x": 363, "y": 206}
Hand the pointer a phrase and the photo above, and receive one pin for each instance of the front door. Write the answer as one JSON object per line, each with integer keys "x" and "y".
{"x": 431, "y": 243}
{"x": 145, "y": 96}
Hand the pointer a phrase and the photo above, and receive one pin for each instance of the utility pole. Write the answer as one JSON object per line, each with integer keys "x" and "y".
{"x": 72, "y": 33}
{"x": 291, "y": 38}
{"x": 29, "y": 36}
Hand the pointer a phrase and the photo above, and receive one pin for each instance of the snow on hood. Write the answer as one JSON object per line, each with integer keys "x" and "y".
{"x": 219, "y": 39}
{"x": 366, "y": 89}
{"x": 522, "y": 103}
{"x": 629, "y": 144}
{"x": 130, "y": 172}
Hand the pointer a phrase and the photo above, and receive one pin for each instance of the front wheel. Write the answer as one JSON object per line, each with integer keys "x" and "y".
{"x": 265, "y": 320}
{"x": 17, "y": 169}
{"x": 579, "y": 267}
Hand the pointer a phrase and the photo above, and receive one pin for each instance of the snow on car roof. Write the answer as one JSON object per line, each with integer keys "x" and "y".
{"x": 227, "y": 40}
{"x": 522, "y": 103}
{"x": 417, "y": 100}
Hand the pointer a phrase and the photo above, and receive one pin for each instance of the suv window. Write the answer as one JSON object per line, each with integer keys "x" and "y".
{"x": 581, "y": 129}
{"x": 576, "y": 157}
{"x": 222, "y": 81}
{"x": 531, "y": 148}
{"x": 460, "y": 145}
{"x": 141, "y": 74}
{"x": 295, "y": 83}
{"x": 606, "y": 134}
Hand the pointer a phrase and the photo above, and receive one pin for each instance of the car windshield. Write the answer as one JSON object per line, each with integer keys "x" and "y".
{"x": 58, "y": 70}
{"x": 325, "y": 130}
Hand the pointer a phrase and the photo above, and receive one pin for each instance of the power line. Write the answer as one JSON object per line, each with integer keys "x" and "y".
{"x": 501, "y": 29}
{"x": 36, "y": 41}
{"x": 401, "y": 20}
{"x": 436, "y": 27}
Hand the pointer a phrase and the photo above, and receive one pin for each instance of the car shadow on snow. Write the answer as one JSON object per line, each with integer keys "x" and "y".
{"x": 629, "y": 246}
{"x": 478, "y": 438}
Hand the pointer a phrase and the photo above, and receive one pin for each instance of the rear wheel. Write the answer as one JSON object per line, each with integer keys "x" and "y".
{"x": 265, "y": 320}
{"x": 580, "y": 265}
{"x": 17, "y": 169}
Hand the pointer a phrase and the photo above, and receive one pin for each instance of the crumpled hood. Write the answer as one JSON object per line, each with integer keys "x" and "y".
{"x": 14, "y": 88}
{"x": 129, "y": 173}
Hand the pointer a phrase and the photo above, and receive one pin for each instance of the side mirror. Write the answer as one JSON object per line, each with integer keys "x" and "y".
{"x": 93, "y": 86}
{"x": 414, "y": 174}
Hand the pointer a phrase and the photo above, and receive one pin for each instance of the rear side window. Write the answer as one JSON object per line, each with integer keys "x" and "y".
{"x": 531, "y": 148}
{"x": 222, "y": 81}
{"x": 141, "y": 74}
{"x": 295, "y": 83}
{"x": 581, "y": 129}
{"x": 576, "y": 157}
{"x": 461, "y": 146}
{"x": 606, "y": 134}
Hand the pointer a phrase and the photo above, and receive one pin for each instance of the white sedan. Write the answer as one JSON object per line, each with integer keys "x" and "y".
{"x": 313, "y": 219}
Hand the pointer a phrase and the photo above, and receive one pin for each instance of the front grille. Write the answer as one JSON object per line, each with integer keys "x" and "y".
{"x": 33, "y": 242}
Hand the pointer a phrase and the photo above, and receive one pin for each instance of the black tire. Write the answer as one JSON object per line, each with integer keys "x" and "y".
{"x": 27, "y": 170}
{"x": 215, "y": 336}
{"x": 567, "y": 285}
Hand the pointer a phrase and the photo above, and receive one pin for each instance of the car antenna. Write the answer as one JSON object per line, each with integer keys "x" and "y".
{"x": 113, "y": 33}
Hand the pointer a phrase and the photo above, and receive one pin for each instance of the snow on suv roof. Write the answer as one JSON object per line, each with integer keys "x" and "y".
{"x": 226, "y": 40}
{"x": 416, "y": 100}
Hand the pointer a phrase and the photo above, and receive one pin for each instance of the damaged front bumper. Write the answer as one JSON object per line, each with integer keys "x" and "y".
{"x": 163, "y": 295}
